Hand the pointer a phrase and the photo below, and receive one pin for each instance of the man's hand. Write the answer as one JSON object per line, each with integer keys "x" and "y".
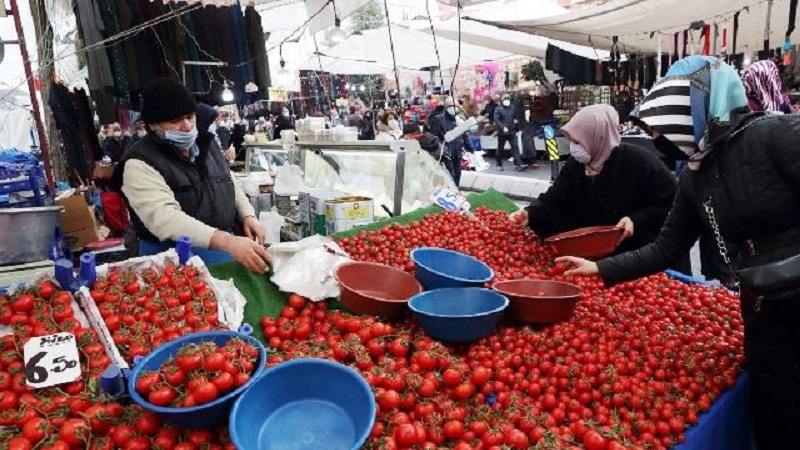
{"x": 578, "y": 266}
{"x": 519, "y": 218}
{"x": 626, "y": 224}
{"x": 249, "y": 253}
{"x": 230, "y": 153}
{"x": 505, "y": 129}
{"x": 253, "y": 229}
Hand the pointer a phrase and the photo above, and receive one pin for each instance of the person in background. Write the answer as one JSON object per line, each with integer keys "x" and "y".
{"x": 762, "y": 85}
{"x": 507, "y": 132}
{"x": 178, "y": 184}
{"x": 387, "y": 127}
{"x": 605, "y": 182}
{"x": 354, "y": 119}
{"x": 284, "y": 122}
{"x": 139, "y": 131}
{"x": 116, "y": 144}
{"x": 743, "y": 184}
{"x": 468, "y": 105}
{"x": 336, "y": 118}
{"x": 440, "y": 126}
{"x": 489, "y": 107}
{"x": 367, "y": 130}
{"x": 411, "y": 131}
{"x": 224, "y": 132}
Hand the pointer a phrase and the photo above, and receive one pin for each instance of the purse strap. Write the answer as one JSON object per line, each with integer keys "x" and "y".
{"x": 721, "y": 246}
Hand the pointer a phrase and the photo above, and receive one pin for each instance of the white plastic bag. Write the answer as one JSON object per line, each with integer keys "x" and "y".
{"x": 306, "y": 267}
{"x": 478, "y": 162}
{"x": 272, "y": 223}
{"x": 288, "y": 180}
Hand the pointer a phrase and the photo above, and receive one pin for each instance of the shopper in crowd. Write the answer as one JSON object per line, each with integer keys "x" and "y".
{"x": 285, "y": 122}
{"x": 354, "y": 119}
{"x": 388, "y": 127}
{"x": 367, "y": 130}
{"x": 411, "y": 131}
{"x": 489, "y": 107}
{"x": 115, "y": 145}
{"x": 743, "y": 184}
{"x": 178, "y": 184}
{"x": 762, "y": 84}
{"x": 443, "y": 123}
{"x": 605, "y": 182}
{"x": 139, "y": 131}
{"x": 506, "y": 125}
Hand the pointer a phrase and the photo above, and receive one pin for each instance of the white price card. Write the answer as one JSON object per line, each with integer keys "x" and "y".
{"x": 448, "y": 199}
{"x": 51, "y": 360}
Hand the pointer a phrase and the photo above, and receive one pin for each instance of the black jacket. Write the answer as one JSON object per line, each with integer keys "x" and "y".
{"x": 443, "y": 123}
{"x": 504, "y": 118}
{"x": 633, "y": 183}
{"x": 488, "y": 111}
{"x": 204, "y": 188}
{"x": 752, "y": 175}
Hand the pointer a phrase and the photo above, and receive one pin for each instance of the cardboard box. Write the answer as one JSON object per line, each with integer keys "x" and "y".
{"x": 84, "y": 236}
{"x": 77, "y": 215}
{"x": 312, "y": 208}
{"x": 343, "y": 214}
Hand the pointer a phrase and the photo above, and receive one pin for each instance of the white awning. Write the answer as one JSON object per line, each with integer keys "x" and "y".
{"x": 338, "y": 66}
{"x": 639, "y": 23}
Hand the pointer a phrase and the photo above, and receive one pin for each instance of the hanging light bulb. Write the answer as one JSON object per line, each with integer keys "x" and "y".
{"x": 747, "y": 58}
{"x": 227, "y": 94}
{"x": 337, "y": 34}
{"x": 347, "y": 86}
{"x": 284, "y": 77}
{"x": 362, "y": 88}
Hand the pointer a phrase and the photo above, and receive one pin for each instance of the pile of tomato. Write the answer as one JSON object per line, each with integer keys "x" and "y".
{"x": 146, "y": 309}
{"x": 633, "y": 368}
{"x": 199, "y": 374}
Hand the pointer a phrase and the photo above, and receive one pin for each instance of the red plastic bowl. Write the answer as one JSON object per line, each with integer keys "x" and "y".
{"x": 589, "y": 242}
{"x": 540, "y": 301}
{"x": 376, "y": 289}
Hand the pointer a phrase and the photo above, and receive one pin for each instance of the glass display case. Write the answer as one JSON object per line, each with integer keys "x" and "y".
{"x": 398, "y": 175}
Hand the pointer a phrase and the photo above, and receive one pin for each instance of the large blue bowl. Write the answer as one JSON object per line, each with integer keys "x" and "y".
{"x": 437, "y": 268}
{"x": 202, "y": 416}
{"x": 304, "y": 404}
{"x": 458, "y": 315}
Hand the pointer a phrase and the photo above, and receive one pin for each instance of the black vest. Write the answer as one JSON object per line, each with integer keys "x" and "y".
{"x": 203, "y": 188}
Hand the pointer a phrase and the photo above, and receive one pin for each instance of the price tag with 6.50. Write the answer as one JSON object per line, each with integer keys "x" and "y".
{"x": 51, "y": 360}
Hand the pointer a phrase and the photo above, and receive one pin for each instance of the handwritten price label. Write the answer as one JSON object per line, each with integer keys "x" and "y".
{"x": 51, "y": 360}
{"x": 448, "y": 199}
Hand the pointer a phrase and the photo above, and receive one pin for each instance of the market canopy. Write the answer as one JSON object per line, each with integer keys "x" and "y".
{"x": 495, "y": 38}
{"x": 639, "y": 23}
{"x": 339, "y": 66}
{"x": 413, "y": 50}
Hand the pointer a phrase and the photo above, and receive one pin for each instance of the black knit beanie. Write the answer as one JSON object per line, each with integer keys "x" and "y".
{"x": 166, "y": 99}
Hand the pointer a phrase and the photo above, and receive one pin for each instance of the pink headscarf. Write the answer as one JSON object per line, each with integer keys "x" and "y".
{"x": 596, "y": 128}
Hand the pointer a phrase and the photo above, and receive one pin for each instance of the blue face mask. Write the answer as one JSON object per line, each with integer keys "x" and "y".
{"x": 451, "y": 110}
{"x": 181, "y": 139}
{"x": 212, "y": 128}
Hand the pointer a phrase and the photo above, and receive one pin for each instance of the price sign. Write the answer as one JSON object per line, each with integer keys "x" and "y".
{"x": 51, "y": 360}
{"x": 448, "y": 199}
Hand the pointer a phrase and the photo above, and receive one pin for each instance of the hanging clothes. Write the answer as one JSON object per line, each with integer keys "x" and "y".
{"x": 86, "y": 125}
{"x": 116, "y": 51}
{"x": 573, "y": 68}
{"x": 68, "y": 123}
{"x": 91, "y": 29}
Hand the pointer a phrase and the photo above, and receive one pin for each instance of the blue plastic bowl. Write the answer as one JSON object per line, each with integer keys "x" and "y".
{"x": 202, "y": 416}
{"x": 304, "y": 404}
{"x": 458, "y": 315}
{"x": 437, "y": 268}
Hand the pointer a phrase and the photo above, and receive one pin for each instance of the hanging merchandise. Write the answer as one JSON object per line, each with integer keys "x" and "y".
{"x": 735, "y": 31}
{"x": 80, "y": 158}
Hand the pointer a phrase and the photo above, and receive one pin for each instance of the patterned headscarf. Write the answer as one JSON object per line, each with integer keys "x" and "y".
{"x": 762, "y": 83}
{"x": 696, "y": 97}
{"x": 596, "y": 128}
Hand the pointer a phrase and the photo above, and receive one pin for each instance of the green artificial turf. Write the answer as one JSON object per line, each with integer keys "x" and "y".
{"x": 264, "y": 298}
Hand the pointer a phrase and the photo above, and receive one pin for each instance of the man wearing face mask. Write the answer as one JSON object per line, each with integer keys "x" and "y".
{"x": 116, "y": 143}
{"x": 507, "y": 132}
{"x": 443, "y": 123}
{"x": 177, "y": 183}
{"x": 284, "y": 122}
{"x": 605, "y": 182}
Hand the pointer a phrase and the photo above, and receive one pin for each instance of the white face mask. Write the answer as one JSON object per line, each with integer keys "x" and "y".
{"x": 117, "y": 133}
{"x": 506, "y": 103}
{"x": 579, "y": 153}
{"x": 394, "y": 124}
{"x": 141, "y": 133}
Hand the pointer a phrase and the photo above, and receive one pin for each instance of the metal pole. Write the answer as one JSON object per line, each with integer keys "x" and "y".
{"x": 45, "y": 149}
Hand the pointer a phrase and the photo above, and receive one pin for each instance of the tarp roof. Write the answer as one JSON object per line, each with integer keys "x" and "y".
{"x": 339, "y": 66}
{"x": 515, "y": 42}
{"x": 639, "y": 23}
{"x": 414, "y": 50}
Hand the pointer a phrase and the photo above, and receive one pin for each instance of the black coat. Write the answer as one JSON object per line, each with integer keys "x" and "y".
{"x": 440, "y": 125}
{"x": 633, "y": 183}
{"x": 753, "y": 177}
{"x": 504, "y": 118}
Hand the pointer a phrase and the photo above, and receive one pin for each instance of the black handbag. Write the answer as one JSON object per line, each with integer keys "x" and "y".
{"x": 774, "y": 281}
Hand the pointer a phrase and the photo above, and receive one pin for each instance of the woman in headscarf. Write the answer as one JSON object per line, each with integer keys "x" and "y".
{"x": 762, "y": 85}
{"x": 604, "y": 183}
{"x": 743, "y": 185}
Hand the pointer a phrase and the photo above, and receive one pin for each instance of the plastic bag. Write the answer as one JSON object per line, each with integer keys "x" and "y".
{"x": 272, "y": 223}
{"x": 307, "y": 267}
{"x": 288, "y": 180}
